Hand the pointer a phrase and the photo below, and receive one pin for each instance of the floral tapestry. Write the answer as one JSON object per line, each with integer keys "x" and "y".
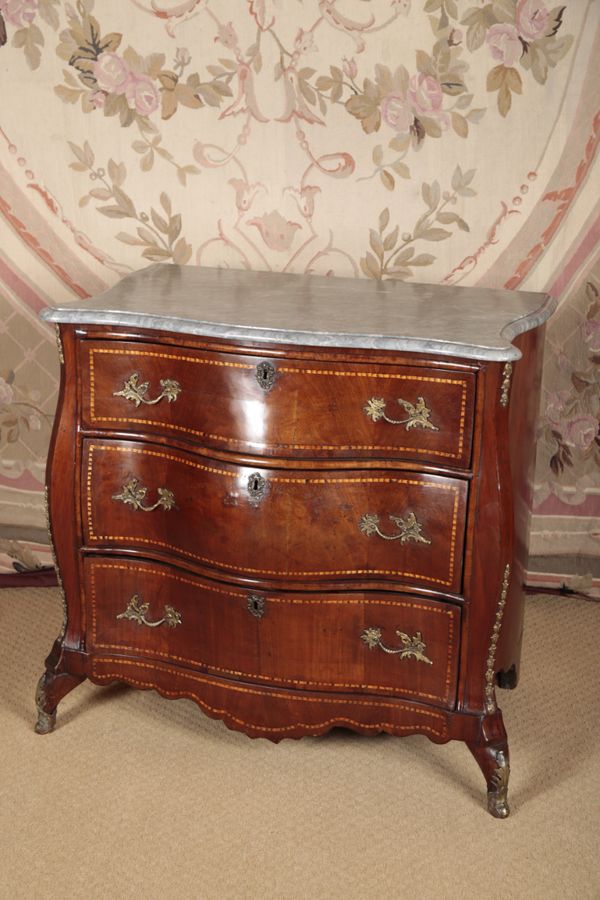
{"x": 444, "y": 141}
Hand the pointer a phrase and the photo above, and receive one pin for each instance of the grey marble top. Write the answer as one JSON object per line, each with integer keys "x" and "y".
{"x": 478, "y": 323}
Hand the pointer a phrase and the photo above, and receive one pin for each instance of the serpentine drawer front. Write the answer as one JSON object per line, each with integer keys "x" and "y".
{"x": 280, "y": 406}
{"x": 262, "y": 522}
{"x": 290, "y": 500}
{"x": 372, "y": 643}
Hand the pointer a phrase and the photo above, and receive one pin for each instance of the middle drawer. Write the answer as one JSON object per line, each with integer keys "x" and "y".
{"x": 296, "y": 524}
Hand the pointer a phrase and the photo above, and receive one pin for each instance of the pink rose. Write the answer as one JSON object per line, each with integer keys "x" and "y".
{"x": 111, "y": 73}
{"x": 6, "y": 393}
{"x": 141, "y": 94}
{"x": 532, "y": 19}
{"x": 580, "y": 432}
{"x": 505, "y": 46}
{"x": 397, "y": 112}
{"x": 19, "y": 12}
{"x": 556, "y": 406}
{"x": 591, "y": 329}
{"x": 426, "y": 95}
{"x": 275, "y": 231}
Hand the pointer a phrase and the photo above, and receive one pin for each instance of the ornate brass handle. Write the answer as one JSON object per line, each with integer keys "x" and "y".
{"x": 133, "y": 493}
{"x": 418, "y": 413}
{"x": 134, "y": 391}
{"x": 410, "y": 529}
{"x": 136, "y": 612}
{"x": 411, "y": 646}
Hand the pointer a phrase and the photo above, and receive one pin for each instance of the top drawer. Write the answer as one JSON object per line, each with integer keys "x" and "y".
{"x": 279, "y": 407}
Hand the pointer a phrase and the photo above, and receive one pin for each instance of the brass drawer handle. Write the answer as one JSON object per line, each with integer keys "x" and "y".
{"x": 412, "y": 647}
{"x": 134, "y": 391}
{"x": 410, "y": 529}
{"x": 133, "y": 493}
{"x": 136, "y": 612}
{"x": 418, "y": 413}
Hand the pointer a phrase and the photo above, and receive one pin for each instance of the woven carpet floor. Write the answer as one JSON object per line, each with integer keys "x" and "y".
{"x": 134, "y": 796}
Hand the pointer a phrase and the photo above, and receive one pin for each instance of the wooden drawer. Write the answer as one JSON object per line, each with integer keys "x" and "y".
{"x": 311, "y": 409}
{"x": 315, "y": 641}
{"x": 272, "y": 523}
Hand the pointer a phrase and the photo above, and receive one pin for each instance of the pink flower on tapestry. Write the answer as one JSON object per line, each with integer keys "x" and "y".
{"x": 304, "y": 42}
{"x": 305, "y": 198}
{"x": 591, "y": 330}
{"x": 505, "y": 46}
{"x": 276, "y": 232}
{"x": 349, "y": 67}
{"x": 532, "y": 19}
{"x": 425, "y": 93}
{"x": 111, "y": 73}
{"x": 581, "y": 432}
{"x": 141, "y": 95}
{"x": 397, "y": 112}
{"x": 244, "y": 192}
{"x": 228, "y": 36}
{"x": 263, "y": 13}
{"x": 6, "y": 393}
{"x": 19, "y": 13}
{"x": 555, "y": 407}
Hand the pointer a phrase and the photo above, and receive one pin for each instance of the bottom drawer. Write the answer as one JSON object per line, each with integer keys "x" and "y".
{"x": 367, "y": 642}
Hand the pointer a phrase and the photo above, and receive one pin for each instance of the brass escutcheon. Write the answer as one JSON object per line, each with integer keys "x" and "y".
{"x": 256, "y": 606}
{"x": 257, "y": 488}
{"x": 265, "y": 375}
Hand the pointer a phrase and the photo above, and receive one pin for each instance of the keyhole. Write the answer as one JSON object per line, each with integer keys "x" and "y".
{"x": 265, "y": 375}
{"x": 257, "y": 487}
{"x": 256, "y": 606}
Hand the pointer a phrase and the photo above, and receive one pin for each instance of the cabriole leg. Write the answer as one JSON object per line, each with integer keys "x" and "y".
{"x": 491, "y": 753}
{"x": 51, "y": 688}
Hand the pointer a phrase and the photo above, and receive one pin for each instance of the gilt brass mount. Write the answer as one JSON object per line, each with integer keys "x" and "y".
{"x": 133, "y": 493}
{"x": 136, "y": 612}
{"x": 410, "y": 529}
{"x": 412, "y": 647}
{"x": 497, "y": 796}
{"x": 418, "y": 413}
{"x": 135, "y": 392}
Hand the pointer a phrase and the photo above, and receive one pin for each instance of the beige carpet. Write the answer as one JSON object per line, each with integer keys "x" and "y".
{"x": 138, "y": 797}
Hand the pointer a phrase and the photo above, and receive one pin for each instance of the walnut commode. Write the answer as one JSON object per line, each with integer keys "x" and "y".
{"x": 301, "y": 502}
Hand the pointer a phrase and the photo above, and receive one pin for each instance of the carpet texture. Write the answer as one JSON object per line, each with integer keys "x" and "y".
{"x": 134, "y": 796}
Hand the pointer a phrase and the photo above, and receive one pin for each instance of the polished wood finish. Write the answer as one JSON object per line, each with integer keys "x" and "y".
{"x": 308, "y": 411}
{"x": 257, "y": 587}
{"x": 217, "y": 522}
{"x": 309, "y": 641}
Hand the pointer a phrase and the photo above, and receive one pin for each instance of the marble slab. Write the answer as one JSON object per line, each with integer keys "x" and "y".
{"x": 270, "y": 307}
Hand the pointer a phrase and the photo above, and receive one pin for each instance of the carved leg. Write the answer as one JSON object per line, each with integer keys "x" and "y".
{"x": 491, "y": 753}
{"x": 51, "y": 688}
